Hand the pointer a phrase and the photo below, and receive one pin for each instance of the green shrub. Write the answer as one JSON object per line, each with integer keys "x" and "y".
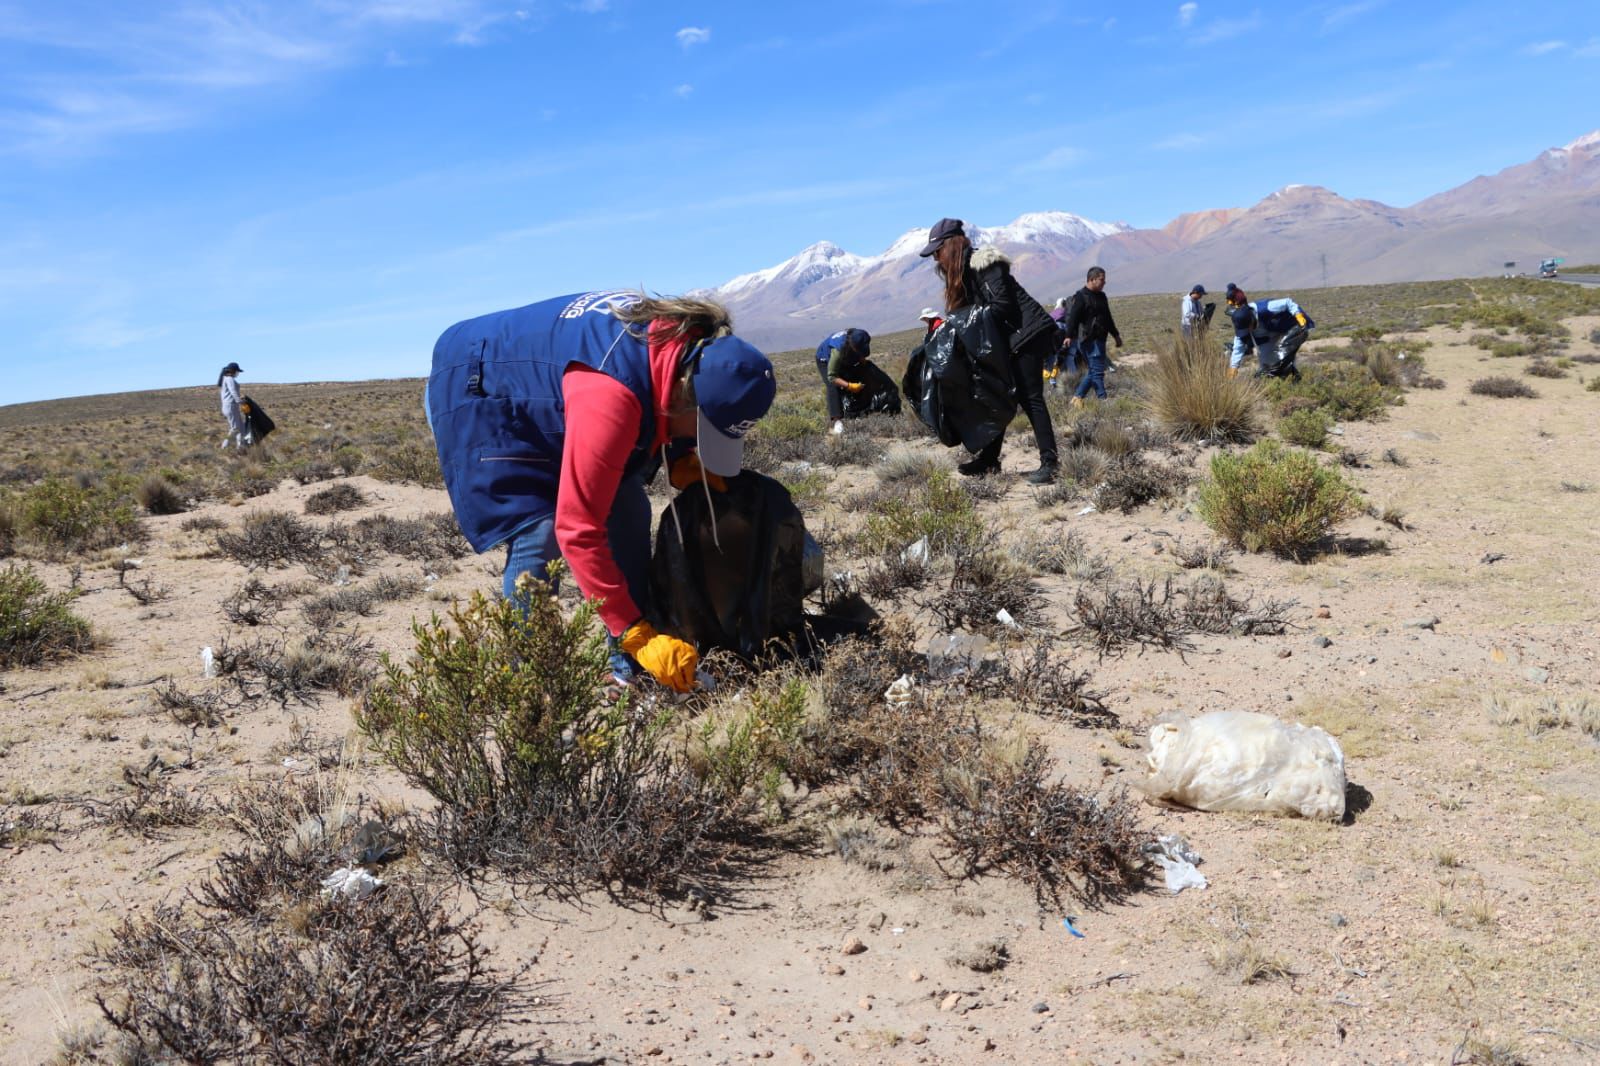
{"x": 1345, "y": 390}
{"x": 35, "y": 624}
{"x": 415, "y": 463}
{"x": 1508, "y": 349}
{"x": 1275, "y": 499}
{"x": 1593, "y": 386}
{"x": 939, "y": 509}
{"x": 752, "y": 743}
{"x": 8, "y": 529}
{"x": 1307, "y": 428}
{"x": 1543, "y": 368}
{"x": 501, "y": 716}
{"x": 63, "y": 517}
{"x": 348, "y": 459}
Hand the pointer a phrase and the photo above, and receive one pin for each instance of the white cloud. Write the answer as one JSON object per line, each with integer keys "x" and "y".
{"x": 1591, "y": 50}
{"x": 1180, "y": 142}
{"x": 1344, "y": 13}
{"x": 1063, "y": 158}
{"x": 1227, "y": 29}
{"x": 690, "y": 36}
{"x": 683, "y": 91}
{"x": 1541, "y": 48}
{"x": 1187, "y": 12}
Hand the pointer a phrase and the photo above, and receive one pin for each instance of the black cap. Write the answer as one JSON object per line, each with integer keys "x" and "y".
{"x": 1198, "y": 290}
{"x": 945, "y": 227}
{"x": 235, "y": 367}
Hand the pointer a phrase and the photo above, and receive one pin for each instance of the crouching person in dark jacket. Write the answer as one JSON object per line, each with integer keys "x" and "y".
{"x": 549, "y": 420}
{"x": 982, "y": 278}
{"x": 840, "y": 357}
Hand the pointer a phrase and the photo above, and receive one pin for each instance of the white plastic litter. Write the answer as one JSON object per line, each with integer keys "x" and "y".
{"x": 208, "y": 662}
{"x": 899, "y": 691}
{"x": 341, "y": 576}
{"x": 1003, "y": 616}
{"x": 1178, "y": 861}
{"x": 955, "y": 653}
{"x": 350, "y": 882}
{"x": 917, "y": 552}
{"x": 1087, "y": 510}
{"x": 1241, "y": 761}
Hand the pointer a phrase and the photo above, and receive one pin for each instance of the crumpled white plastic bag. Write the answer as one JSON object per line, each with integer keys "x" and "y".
{"x": 1242, "y": 761}
{"x": 1178, "y": 861}
{"x": 350, "y": 882}
{"x": 898, "y": 693}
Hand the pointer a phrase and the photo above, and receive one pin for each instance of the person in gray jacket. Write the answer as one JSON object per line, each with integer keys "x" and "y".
{"x": 232, "y": 409}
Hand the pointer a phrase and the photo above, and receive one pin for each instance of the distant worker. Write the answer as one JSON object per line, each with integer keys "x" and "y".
{"x": 550, "y": 418}
{"x": 839, "y": 358}
{"x": 1088, "y": 324}
{"x": 1273, "y": 329}
{"x": 1195, "y": 316}
{"x": 931, "y": 320}
{"x": 982, "y": 278}
{"x": 233, "y": 408}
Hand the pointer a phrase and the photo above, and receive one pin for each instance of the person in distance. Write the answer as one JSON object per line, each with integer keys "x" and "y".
{"x": 1273, "y": 329}
{"x": 1088, "y": 324}
{"x": 839, "y": 358}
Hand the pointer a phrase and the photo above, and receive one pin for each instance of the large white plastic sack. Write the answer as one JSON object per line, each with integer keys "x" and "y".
{"x": 1241, "y": 761}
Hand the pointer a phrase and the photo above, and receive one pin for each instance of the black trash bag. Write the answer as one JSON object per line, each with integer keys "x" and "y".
{"x": 922, "y": 393}
{"x": 967, "y": 362}
{"x": 256, "y": 420}
{"x": 750, "y": 592}
{"x": 881, "y": 395}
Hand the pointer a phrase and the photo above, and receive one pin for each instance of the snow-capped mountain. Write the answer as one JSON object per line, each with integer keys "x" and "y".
{"x": 1301, "y": 235}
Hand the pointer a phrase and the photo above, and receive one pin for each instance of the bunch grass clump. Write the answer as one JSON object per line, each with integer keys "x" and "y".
{"x": 335, "y": 498}
{"x": 1502, "y": 387}
{"x": 1192, "y": 394}
{"x": 939, "y": 509}
{"x": 1275, "y": 499}
{"x": 158, "y": 496}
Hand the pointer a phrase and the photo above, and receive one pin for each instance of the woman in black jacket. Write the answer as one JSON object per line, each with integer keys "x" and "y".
{"x": 983, "y": 278}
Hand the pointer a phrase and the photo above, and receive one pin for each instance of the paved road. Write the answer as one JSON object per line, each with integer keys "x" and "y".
{"x": 1580, "y": 279}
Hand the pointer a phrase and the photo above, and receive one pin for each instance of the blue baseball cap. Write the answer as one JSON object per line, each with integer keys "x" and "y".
{"x": 733, "y": 386}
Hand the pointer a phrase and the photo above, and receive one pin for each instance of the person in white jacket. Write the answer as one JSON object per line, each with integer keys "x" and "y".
{"x": 232, "y": 407}
{"x": 1195, "y": 315}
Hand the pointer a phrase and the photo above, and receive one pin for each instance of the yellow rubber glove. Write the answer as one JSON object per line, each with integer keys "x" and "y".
{"x": 669, "y": 660}
{"x": 244, "y": 408}
{"x": 853, "y": 387}
{"x": 686, "y": 470}
{"x": 1300, "y": 318}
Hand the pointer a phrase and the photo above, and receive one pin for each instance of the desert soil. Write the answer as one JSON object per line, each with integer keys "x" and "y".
{"x": 1461, "y": 904}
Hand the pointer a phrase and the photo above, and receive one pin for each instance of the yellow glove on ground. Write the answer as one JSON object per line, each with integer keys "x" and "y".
{"x": 669, "y": 660}
{"x": 686, "y": 470}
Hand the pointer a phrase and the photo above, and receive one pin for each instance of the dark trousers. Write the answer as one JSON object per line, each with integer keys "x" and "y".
{"x": 1276, "y": 358}
{"x": 1029, "y": 368}
{"x": 835, "y": 399}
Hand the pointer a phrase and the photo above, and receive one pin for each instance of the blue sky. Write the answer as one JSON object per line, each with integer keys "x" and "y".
{"x": 317, "y": 188}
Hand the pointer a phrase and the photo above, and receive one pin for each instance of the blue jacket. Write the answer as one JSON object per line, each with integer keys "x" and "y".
{"x": 1259, "y": 322}
{"x": 494, "y": 402}
{"x": 857, "y": 340}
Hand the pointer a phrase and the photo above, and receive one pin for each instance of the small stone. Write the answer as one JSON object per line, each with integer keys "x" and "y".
{"x": 1338, "y": 921}
{"x": 803, "y": 1053}
{"x": 1321, "y": 641}
{"x": 835, "y": 970}
{"x": 877, "y": 921}
{"x": 1323, "y": 612}
{"x": 852, "y": 946}
{"x": 865, "y": 1002}
{"x": 918, "y": 1037}
{"x": 1537, "y": 674}
{"x": 1041, "y": 1008}
{"x": 914, "y": 976}
{"x": 1425, "y": 622}
{"x": 655, "y": 1049}
{"x": 1284, "y": 653}
{"x": 950, "y": 1002}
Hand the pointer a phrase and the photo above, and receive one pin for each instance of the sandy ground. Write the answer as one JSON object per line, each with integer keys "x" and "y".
{"x": 1461, "y": 904}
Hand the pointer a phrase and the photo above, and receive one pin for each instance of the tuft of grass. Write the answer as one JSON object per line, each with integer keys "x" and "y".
{"x": 36, "y": 625}
{"x": 1273, "y": 499}
{"x": 1192, "y": 394}
{"x": 1502, "y": 387}
{"x": 157, "y": 496}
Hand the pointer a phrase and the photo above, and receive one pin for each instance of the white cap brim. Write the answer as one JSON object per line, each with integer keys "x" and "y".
{"x": 720, "y": 454}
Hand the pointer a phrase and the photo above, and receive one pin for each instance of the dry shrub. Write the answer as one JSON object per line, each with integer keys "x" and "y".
{"x": 414, "y": 463}
{"x": 361, "y": 600}
{"x": 1502, "y": 387}
{"x": 153, "y": 807}
{"x": 984, "y": 582}
{"x": 904, "y": 462}
{"x": 1200, "y": 556}
{"x": 1192, "y": 394}
{"x": 894, "y": 574}
{"x": 36, "y": 625}
{"x": 1082, "y": 465}
{"x": 1132, "y": 483}
{"x": 1062, "y": 551}
{"x": 335, "y": 498}
{"x": 1044, "y": 683}
{"x": 157, "y": 496}
{"x": 1275, "y": 499}
{"x": 1543, "y": 368}
{"x": 273, "y": 538}
{"x": 8, "y": 531}
{"x": 428, "y": 538}
{"x": 195, "y": 710}
{"x": 300, "y": 670}
{"x": 202, "y": 524}
{"x": 254, "y": 604}
{"x": 1162, "y": 615}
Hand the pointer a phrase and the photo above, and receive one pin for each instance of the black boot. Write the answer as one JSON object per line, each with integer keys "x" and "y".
{"x": 1045, "y": 475}
{"x": 978, "y": 467}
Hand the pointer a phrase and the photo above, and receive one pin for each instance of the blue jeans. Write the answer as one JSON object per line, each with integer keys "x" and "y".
{"x": 627, "y": 529}
{"x": 1096, "y": 377}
